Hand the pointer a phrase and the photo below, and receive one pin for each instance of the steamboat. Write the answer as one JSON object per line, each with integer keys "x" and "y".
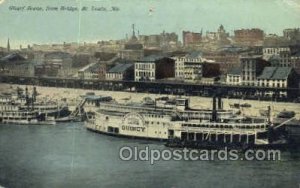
{"x": 20, "y": 108}
{"x": 181, "y": 126}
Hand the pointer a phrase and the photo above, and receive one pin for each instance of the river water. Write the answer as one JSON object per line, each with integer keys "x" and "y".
{"x": 67, "y": 155}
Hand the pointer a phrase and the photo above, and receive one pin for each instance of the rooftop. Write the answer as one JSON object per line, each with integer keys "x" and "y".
{"x": 274, "y": 58}
{"x": 277, "y": 45}
{"x": 152, "y": 58}
{"x": 12, "y": 57}
{"x": 133, "y": 46}
{"x": 235, "y": 71}
{"x": 275, "y": 73}
{"x": 251, "y": 56}
{"x": 194, "y": 55}
{"x": 87, "y": 67}
{"x": 58, "y": 54}
{"x": 297, "y": 54}
{"x": 120, "y": 68}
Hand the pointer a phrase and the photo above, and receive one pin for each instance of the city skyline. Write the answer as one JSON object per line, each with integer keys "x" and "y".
{"x": 150, "y": 17}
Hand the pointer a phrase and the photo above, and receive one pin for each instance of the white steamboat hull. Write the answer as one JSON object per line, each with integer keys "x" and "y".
{"x": 27, "y": 122}
{"x": 132, "y": 125}
{"x": 161, "y": 127}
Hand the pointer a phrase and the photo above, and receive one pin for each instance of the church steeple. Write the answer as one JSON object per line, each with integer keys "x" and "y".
{"x": 133, "y": 31}
{"x": 133, "y": 38}
{"x": 8, "y": 45}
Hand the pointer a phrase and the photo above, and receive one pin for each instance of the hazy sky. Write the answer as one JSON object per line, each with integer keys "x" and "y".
{"x": 27, "y": 27}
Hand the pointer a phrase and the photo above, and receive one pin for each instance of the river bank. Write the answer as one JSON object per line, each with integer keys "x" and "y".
{"x": 72, "y": 96}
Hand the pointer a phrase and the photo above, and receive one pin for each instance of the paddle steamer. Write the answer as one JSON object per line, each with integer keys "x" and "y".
{"x": 166, "y": 119}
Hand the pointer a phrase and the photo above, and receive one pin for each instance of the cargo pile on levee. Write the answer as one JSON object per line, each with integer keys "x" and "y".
{"x": 172, "y": 120}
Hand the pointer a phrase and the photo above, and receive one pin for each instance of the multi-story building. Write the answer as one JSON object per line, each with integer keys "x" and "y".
{"x": 211, "y": 69}
{"x": 191, "y": 38}
{"x": 193, "y": 67}
{"x": 295, "y": 61}
{"x": 16, "y": 65}
{"x": 252, "y": 66}
{"x": 184, "y": 61}
{"x": 169, "y": 37}
{"x": 292, "y": 33}
{"x": 233, "y": 77}
{"x": 249, "y": 36}
{"x": 154, "y": 67}
{"x": 158, "y": 40}
{"x": 192, "y": 71}
{"x": 226, "y": 60}
{"x": 285, "y": 59}
{"x": 124, "y": 71}
{"x": 278, "y": 77}
{"x": 179, "y": 67}
{"x": 269, "y": 51}
{"x": 275, "y": 60}
{"x": 150, "y": 40}
{"x": 57, "y": 61}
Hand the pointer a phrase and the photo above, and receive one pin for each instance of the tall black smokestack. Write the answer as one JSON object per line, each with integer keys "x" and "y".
{"x": 33, "y": 98}
{"x": 27, "y": 97}
{"x": 220, "y": 104}
{"x": 214, "y": 110}
{"x": 269, "y": 114}
{"x": 34, "y": 94}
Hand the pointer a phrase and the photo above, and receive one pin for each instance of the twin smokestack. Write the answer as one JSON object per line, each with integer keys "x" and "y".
{"x": 214, "y": 109}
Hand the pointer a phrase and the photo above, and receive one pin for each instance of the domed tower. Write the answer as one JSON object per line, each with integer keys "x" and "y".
{"x": 222, "y": 35}
{"x": 133, "y": 43}
{"x": 221, "y": 29}
{"x": 133, "y": 49}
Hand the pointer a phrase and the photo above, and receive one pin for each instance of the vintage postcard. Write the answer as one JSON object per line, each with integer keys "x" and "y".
{"x": 149, "y": 93}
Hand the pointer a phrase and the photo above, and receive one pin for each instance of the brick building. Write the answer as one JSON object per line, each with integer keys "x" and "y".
{"x": 226, "y": 60}
{"x": 249, "y": 37}
{"x": 252, "y": 67}
{"x": 295, "y": 61}
{"x": 154, "y": 67}
{"x": 158, "y": 40}
{"x": 191, "y": 38}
